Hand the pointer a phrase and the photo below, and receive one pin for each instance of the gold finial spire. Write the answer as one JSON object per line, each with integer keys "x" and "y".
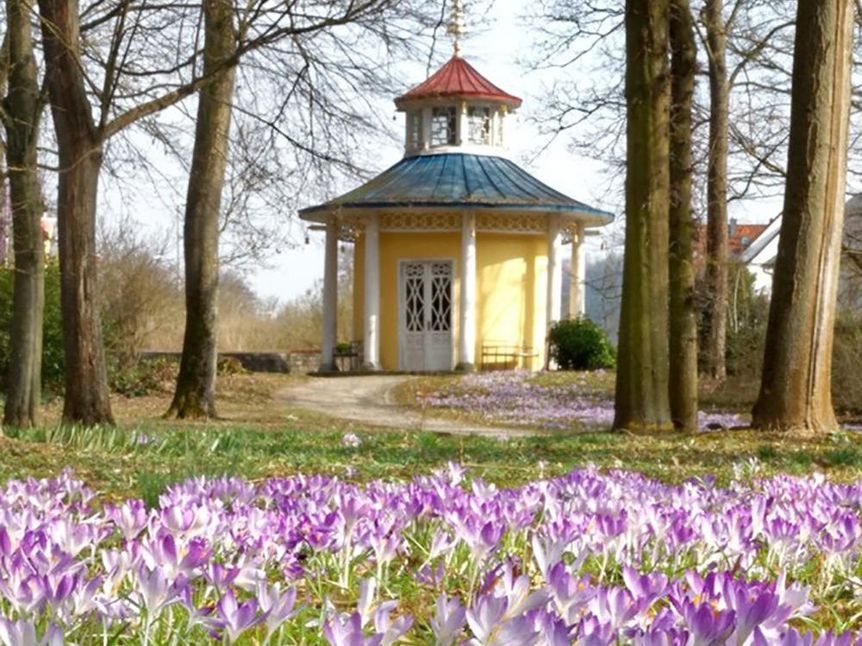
{"x": 456, "y": 26}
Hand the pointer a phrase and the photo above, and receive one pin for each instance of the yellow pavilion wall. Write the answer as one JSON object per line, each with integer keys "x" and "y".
{"x": 511, "y": 289}
{"x": 512, "y": 285}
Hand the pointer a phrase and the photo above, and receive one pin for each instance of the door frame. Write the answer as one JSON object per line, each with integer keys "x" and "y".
{"x": 401, "y": 299}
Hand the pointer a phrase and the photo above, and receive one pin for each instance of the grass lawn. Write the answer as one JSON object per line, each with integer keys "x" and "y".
{"x": 259, "y": 437}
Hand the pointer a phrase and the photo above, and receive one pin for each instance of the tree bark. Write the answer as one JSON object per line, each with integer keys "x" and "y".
{"x": 22, "y": 109}
{"x": 715, "y": 318}
{"x": 80, "y": 156}
{"x": 795, "y": 391}
{"x": 195, "y": 391}
{"x": 683, "y": 315}
{"x": 642, "y": 373}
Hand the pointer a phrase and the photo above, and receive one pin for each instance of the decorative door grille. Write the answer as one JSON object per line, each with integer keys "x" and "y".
{"x": 414, "y": 291}
{"x": 426, "y": 303}
{"x": 441, "y": 297}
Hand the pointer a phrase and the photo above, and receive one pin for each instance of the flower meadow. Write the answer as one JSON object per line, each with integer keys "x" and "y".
{"x": 587, "y": 558}
{"x": 516, "y": 398}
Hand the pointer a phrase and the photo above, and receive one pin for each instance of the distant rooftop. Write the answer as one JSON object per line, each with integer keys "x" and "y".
{"x": 740, "y": 237}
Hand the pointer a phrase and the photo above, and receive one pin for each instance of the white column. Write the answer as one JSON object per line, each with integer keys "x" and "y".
{"x": 555, "y": 272}
{"x": 463, "y": 124}
{"x": 371, "y": 316}
{"x": 578, "y": 275}
{"x": 329, "y": 333}
{"x": 467, "y": 322}
{"x": 426, "y": 128}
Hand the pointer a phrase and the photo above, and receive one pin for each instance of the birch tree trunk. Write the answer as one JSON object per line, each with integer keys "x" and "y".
{"x": 195, "y": 391}
{"x": 795, "y": 392}
{"x": 642, "y": 374}
{"x": 80, "y": 156}
{"x": 22, "y": 109}
{"x": 683, "y": 316}
{"x": 715, "y": 319}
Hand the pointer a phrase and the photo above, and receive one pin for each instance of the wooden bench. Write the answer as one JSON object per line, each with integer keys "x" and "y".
{"x": 506, "y": 356}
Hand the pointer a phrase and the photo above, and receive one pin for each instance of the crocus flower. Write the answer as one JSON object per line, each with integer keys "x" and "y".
{"x": 347, "y": 631}
{"x": 234, "y": 617}
{"x": 276, "y": 605}
{"x": 155, "y": 590}
{"x": 23, "y": 633}
{"x": 448, "y": 621}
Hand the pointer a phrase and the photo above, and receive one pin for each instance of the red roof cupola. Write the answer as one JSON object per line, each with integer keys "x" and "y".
{"x": 457, "y": 79}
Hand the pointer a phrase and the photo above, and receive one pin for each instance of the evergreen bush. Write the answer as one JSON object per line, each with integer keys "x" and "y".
{"x": 580, "y": 344}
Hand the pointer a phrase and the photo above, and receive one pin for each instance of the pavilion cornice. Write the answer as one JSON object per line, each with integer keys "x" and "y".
{"x": 351, "y": 223}
{"x": 417, "y": 220}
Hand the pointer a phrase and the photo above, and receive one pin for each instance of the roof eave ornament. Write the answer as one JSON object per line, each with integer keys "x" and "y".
{"x": 456, "y": 26}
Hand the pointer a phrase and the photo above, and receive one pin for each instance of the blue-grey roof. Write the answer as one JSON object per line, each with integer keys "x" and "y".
{"x": 458, "y": 180}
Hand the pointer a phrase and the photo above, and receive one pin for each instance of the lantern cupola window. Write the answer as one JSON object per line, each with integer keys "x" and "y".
{"x": 456, "y": 110}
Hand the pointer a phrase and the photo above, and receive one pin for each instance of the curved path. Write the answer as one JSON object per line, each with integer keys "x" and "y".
{"x": 369, "y": 399}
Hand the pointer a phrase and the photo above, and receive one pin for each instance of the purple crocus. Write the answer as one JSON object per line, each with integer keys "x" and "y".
{"x": 448, "y": 621}
{"x": 234, "y": 618}
{"x": 708, "y": 626}
{"x": 23, "y": 633}
{"x": 346, "y": 630}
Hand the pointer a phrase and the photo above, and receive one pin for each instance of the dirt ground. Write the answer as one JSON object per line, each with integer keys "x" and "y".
{"x": 370, "y": 399}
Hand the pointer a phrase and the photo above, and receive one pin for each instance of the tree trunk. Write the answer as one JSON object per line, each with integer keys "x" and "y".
{"x": 715, "y": 318}
{"x": 23, "y": 108}
{"x": 195, "y": 392}
{"x": 80, "y": 155}
{"x": 795, "y": 391}
{"x": 683, "y": 317}
{"x": 642, "y": 373}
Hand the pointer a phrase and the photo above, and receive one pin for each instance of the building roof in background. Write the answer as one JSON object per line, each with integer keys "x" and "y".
{"x": 769, "y": 233}
{"x": 740, "y": 237}
{"x": 459, "y": 181}
{"x": 743, "y": 236}
{"x": 457, "y": 79}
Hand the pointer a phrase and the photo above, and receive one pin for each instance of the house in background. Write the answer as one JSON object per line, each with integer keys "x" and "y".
{"x": 740, "y": 238}
{"x": 759, "y": 256}
{"x": 458, "y": 250}
{"x": 604, "y": 272}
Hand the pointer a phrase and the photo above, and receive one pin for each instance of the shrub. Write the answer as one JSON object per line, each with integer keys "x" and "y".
{"x": 580, "y": 344}
{"x": 230, "y": 366}
{"x": 144, "y": 377}
{"x": 846, "y": 359}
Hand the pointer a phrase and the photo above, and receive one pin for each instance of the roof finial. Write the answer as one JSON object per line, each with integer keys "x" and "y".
{"x": 456, "y": 26}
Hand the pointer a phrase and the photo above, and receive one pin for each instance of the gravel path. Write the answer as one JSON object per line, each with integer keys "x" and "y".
{"x": 369, "y": 399}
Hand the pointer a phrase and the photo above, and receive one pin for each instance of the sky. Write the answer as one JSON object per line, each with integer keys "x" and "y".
{"x": 495, "y": 50}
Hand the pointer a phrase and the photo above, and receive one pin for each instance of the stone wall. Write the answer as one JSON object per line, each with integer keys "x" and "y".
{"x": 298, "y": 362}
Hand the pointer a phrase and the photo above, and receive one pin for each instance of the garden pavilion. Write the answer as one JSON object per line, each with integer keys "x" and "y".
{"x": 457, "y": 259}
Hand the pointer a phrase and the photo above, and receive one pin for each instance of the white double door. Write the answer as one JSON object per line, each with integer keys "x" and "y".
{"x": 425, "y": 315}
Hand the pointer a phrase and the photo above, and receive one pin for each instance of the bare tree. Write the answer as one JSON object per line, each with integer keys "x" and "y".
{"x": 795, "y": 392}
{"x": 139, "y": 58}
{"x": 683, "y": 314}
{"x": 195, "y": 392}
{"x": 715, "y": 316}
{"x": 642, "y": 374}
{"x": 21, "y": 115}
